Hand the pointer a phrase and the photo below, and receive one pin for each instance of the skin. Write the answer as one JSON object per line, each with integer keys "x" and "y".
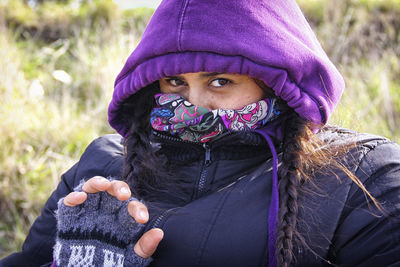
{"x": 147, "y": 244}
{"x": 208, "y": 90}
{"x": 214, "y": 90}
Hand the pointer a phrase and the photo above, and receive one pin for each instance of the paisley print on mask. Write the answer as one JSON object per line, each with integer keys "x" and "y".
{"x": 192, "y": 123}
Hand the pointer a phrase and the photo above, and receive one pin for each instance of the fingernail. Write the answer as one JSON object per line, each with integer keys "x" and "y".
{"x": 124, "y": 190}
{"x": 75, "y": 194}
{"x": 102, "y": 179}
{"x": 143, "y": 215}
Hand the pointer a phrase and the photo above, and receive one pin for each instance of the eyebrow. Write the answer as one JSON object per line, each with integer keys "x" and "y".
{"x": 173, "y": 77}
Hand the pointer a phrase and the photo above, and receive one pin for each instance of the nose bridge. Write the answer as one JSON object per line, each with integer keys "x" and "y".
{"x": 197, "y": 94}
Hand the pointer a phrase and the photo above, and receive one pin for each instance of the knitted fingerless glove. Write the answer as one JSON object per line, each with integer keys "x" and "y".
{"x": 99, "y": 232}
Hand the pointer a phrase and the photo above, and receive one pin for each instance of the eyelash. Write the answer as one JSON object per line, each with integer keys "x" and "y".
{"x": 170, "y": 80}
{"x": 226, "y": 82}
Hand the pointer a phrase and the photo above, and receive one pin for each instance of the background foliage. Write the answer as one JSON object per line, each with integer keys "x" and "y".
{"x": 59, "y": 60}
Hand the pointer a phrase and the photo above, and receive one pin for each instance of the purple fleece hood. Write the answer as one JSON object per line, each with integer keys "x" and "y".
{"x": 265, "y": 39}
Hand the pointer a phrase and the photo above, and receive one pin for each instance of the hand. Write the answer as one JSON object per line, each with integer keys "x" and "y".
{"x": 147, "y": 244}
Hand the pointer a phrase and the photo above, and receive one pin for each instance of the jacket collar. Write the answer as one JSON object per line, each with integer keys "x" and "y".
{"x": 231, "y": 145}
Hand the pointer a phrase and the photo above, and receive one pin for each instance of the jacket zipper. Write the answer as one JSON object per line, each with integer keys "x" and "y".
{"x": 172, "y": 139}
{"x": 200, "y": 188}
{"x": 158, "y": 222}
{"x": 203, "y": 173}
{"x": 207, "y": 159}
{"x": 176, "y": 139}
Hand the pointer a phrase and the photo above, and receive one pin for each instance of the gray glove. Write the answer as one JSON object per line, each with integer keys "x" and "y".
{"x": 99, "y": 232}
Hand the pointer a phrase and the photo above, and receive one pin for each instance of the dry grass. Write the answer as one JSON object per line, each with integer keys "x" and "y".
{"x": 47, "y": 122}
{"x": 55, "y": 97}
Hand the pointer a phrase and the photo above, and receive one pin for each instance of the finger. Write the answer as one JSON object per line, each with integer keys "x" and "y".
{"x": 138, "y": 211}
{"x": 96, "y": 184}
{"x": 120, "y": 190}
{"x": 75, "y": 198}
{"x": 147, "y": 244}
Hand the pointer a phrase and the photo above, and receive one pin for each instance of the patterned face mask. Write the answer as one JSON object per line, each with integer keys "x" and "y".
{"x": 175, "y": 115}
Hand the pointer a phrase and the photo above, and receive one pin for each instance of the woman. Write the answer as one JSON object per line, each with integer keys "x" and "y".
{"x": 222, "y": 108}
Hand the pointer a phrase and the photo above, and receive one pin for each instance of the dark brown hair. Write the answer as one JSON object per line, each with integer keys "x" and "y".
{"x": 145, "y": 169}
{"x": 303, "y": 155}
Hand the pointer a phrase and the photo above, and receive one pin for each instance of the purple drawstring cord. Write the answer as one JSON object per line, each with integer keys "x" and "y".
{"x": 274, "y": 205}
{"x": 273, "y": 208}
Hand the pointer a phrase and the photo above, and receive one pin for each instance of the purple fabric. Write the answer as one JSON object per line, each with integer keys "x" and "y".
{"x": 266, "y": 39}
{"x": 274, "y": 205}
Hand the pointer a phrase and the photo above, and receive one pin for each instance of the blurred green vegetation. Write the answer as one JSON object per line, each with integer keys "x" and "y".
{"x": 57, "y": 69}
{"x": 60, "y": 59}
{"x": 362, "y": 37}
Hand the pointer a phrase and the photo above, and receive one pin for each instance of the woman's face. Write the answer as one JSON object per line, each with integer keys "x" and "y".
{"x": 214, "y": 90}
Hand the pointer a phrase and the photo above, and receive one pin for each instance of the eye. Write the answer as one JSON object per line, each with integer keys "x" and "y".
{"x": 219, "y": 82}
{"x": 175, "y": 82}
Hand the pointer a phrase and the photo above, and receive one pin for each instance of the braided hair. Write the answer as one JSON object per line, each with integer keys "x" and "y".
{"x": 140, "y": 156}
{"x": 289, "y": 180}
{"x": 146, "y": 169}
{"x": 304, "y": 155}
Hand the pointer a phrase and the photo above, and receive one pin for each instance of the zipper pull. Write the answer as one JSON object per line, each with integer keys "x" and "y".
{"x": 207, "y": 161}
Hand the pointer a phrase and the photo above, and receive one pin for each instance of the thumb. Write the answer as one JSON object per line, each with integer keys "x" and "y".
{"x": 147, "y": 244}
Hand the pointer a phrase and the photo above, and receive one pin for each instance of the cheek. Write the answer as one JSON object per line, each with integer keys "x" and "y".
{"x": 247, "y": 97}
{"x": 166, "y": 88}
{"x": 162, "y": 86}
{"x": 237, "y": 101}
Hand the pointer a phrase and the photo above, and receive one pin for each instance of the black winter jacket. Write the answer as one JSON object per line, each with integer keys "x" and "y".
{"x": 224, "y": 221}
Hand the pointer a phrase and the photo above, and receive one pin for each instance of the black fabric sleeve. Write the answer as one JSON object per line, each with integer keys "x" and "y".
{"x": 102, "y": 157}
{"x": 365, "y": 235}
